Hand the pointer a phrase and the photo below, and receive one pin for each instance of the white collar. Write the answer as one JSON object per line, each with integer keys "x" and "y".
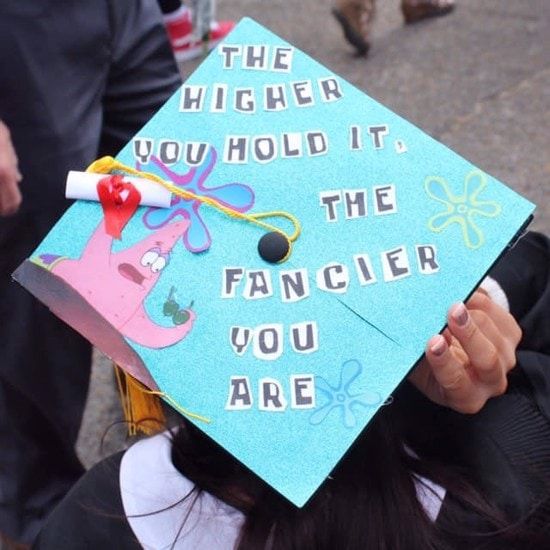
{"x": 149, "y": 482}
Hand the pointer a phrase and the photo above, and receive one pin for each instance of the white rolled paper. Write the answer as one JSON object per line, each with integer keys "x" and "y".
{"x": 83, "y": 185}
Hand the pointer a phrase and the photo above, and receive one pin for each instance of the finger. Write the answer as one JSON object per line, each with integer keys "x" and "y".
{"x": 447, "y": 335}
{"x": 479, "y": 300}
{"x": 10, "y": 199}
{"x": 508, "y": 329}
{"x": 479, "y": 338}
{"x": 508, "y": 332}
{"x": 504, "y": 346}
{"x": 506, "y": 324}
{"x": 8, "y": 209}
{"x": 449, "y": 372}
{"x": 454, "y": 344}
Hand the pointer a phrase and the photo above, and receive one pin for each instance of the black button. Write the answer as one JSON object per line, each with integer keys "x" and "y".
{"x": 273, "y": 247}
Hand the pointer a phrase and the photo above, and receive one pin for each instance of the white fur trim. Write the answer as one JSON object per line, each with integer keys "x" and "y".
{"x": 496, "y": 293}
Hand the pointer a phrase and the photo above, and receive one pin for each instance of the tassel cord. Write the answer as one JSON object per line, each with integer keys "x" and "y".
{"x": 106, "y": 164}
{"x": 129, "y": 389}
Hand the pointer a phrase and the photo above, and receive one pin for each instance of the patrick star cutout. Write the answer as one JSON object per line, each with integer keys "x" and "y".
{"x": 116, "y": 284}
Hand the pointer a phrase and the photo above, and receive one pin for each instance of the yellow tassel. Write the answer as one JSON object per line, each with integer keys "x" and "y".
{"x": 142, "y": 408}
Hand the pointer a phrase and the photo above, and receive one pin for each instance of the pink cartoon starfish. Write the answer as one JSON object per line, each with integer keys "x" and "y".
{"x": 117, "y": 283}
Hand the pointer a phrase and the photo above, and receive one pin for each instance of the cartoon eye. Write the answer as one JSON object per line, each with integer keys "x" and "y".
{"x": 158, "y": 264}
{"x": 149, "y": 258}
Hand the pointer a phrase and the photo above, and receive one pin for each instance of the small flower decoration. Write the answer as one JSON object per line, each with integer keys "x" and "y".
{"x": 341, "y": 398}
{"x": 197, "y": 238}
{"x": 462, "y": 209}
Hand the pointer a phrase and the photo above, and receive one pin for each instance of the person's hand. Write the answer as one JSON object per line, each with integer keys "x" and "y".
{"x": 10, "y": 195}
{"x": 468, "y": 364}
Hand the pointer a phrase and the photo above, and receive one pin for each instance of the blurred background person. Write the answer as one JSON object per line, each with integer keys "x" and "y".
{"x": 356, "y": 17}
{"x": 192, "y": 28}
{"x": 77, "y": 80}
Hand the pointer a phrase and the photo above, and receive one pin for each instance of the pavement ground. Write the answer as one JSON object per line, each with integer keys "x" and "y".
{"x": 477, "y": 80}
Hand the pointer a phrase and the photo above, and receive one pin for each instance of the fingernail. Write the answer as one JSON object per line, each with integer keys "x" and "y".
{"x": 439, "y": 345}
{"x": 460, "y": 315}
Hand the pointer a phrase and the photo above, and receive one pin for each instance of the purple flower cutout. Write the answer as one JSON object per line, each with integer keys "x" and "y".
{"x": 236, "y": 196}
{"x": 341, "y": 398}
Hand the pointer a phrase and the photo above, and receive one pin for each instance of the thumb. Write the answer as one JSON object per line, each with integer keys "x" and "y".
{"x": 10, "y": 198}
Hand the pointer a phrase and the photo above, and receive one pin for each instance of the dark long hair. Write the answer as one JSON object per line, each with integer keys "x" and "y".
{"x": 370, "y": 501}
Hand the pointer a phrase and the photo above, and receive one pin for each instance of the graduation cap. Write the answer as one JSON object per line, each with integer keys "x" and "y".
{"x": 311, "y": 243}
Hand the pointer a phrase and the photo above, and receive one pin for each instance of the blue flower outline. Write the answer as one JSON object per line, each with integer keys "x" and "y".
{"x": 340, "y": 396}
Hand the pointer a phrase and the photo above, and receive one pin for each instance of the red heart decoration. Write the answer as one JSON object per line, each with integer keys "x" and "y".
{"x": 119, "y": 200}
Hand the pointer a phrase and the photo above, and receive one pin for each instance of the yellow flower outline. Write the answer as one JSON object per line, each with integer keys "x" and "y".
{"x": 462, "y": 208}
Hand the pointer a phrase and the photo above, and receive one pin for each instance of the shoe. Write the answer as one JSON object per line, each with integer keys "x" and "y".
{"x": 355, "y": 18}
{"x": 185, "y": 44}
{"x": 416, "y": 10}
